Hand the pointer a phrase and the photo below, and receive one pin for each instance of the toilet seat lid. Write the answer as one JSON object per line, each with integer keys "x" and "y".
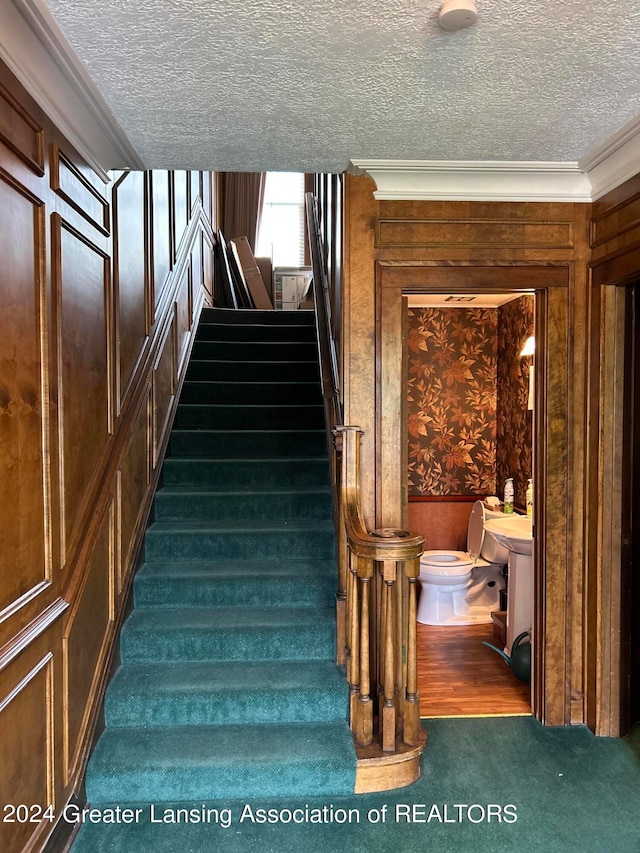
{"x": 446, "y": 563}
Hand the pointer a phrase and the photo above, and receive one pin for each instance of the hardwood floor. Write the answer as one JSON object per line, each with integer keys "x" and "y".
{"x": 459, "y": 677}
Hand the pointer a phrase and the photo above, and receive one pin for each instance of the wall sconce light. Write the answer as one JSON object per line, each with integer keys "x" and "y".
{"x": 529, "y": 347}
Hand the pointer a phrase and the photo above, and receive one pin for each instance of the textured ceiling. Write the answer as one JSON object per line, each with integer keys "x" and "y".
{"x": 309, "y": 84}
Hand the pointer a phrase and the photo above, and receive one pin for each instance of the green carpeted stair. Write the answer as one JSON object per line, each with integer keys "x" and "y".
{"x": 227, "y": 685}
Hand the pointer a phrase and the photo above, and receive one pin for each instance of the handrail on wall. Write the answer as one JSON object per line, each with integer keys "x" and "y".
{"x": 378, "y": 569}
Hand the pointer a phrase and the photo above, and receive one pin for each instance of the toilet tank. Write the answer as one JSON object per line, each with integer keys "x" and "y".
{"x": 481, "y": 544}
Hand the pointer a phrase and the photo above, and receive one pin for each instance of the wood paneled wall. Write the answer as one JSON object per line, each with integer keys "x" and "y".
{"x": 396, "y": 248}
{"x": 615, "y": 267}
{"x": 100, "y": 288}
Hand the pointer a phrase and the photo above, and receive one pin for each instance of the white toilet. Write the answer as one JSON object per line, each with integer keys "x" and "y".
{"x": 463, "y": 588}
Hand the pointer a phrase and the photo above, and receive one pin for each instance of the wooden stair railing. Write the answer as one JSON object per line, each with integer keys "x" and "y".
{"x": 376, "y": 600}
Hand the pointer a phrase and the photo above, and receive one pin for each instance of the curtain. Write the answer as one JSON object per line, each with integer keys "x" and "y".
{"x": 241, "y": 196}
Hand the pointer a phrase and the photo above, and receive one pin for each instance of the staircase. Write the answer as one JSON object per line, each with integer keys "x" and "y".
{"x": 227, "y": 686}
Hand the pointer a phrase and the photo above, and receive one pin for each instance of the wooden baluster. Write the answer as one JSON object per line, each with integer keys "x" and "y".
{"x": 364, "y": 713}
{"x": 353, "y": 659}
{"x": 387, "y": 648}
{"x": 411, "y": 731}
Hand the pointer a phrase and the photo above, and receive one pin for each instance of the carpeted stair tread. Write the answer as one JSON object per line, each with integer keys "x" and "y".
{"x": 242, "y": 583}
{"x": 215, "y": 693}
{"x": 255, "y": 567}
{"x": 230, "y": 489}
{"x": 264, "y": 393}
{"x": 248, "y": 416}
{"x": 177, "y": 763}
{"x": 255, "y": 332}
{"x": 176, "y": 504}
{"x": 242, "y": 526}
{"x": 172, "y": 540}
{"x": 252, "y": 371}
{"x": 235, "y": 633}
{"x": 256, "y": 317}
{"x": 256, "y": 351}
{"x": 224, "y": 443}
{"x": 204, "y": 472}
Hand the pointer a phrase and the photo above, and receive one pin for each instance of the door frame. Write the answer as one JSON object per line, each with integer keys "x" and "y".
{"x": 555, "y": 588}
{"x": 609, "y": 493}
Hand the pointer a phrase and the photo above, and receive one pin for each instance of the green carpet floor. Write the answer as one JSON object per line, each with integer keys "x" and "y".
{"x": 572, "y": 793}
{"x": 227, "y": 685}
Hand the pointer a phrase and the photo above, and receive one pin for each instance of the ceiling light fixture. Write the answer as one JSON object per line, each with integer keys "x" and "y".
{"x": 455, "y": 15}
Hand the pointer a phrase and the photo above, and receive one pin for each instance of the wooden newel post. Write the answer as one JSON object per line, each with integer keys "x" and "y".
{"x": 379, "y": 643}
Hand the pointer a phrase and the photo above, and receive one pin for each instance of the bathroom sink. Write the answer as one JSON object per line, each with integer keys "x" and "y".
{"x": 514, "y": 532}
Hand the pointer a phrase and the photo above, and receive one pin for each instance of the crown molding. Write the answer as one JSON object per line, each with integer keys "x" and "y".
{"x": 615, "y": 160}
{"x": 467, "y": 180}
{"x": 38, "y": 53}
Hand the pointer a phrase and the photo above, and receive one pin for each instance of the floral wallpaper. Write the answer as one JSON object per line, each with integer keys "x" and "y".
{"x": 514, "y": 420}
{"x": 452, "y": 401}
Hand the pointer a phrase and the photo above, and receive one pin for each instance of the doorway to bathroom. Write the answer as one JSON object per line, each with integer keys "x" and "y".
{"x": 469, "y": 401}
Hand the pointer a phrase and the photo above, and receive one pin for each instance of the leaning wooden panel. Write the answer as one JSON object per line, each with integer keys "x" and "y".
{"x": 84, "y": 345}
{"x": 85, "y": 644}
{"x": 25, "y": 498}
{"x": 27, "y": 749}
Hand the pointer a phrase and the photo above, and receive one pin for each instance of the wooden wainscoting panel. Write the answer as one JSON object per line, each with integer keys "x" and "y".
{"x": 616, "y": 247}
{"x": 130, "y": 279}
{"x": 195, "y": 188}
{"x": 183, "y": 320}
{"x": 616, "y": 222}
{"x": 135, "y": 477}
{"x": 470, "y": 233}
{"x": 161, "y": 231}
{"x": 616, "y": 213}
{"x": 27, "y": 749}
{"x": 196, "y": 277}
{"x": 24, "y": 412}
{"x": 163, "y": 389}
{"x": 84, "y": 344}
{"x": 85, "y": 643}
{"x": 21, "y": 132}
{"x": 86, "y": 196}
{"x": 207, "y": 270}
{"x": 615, "y": 234}
{"x": 180, "y": 208}
{"x": 209, "y": 197}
